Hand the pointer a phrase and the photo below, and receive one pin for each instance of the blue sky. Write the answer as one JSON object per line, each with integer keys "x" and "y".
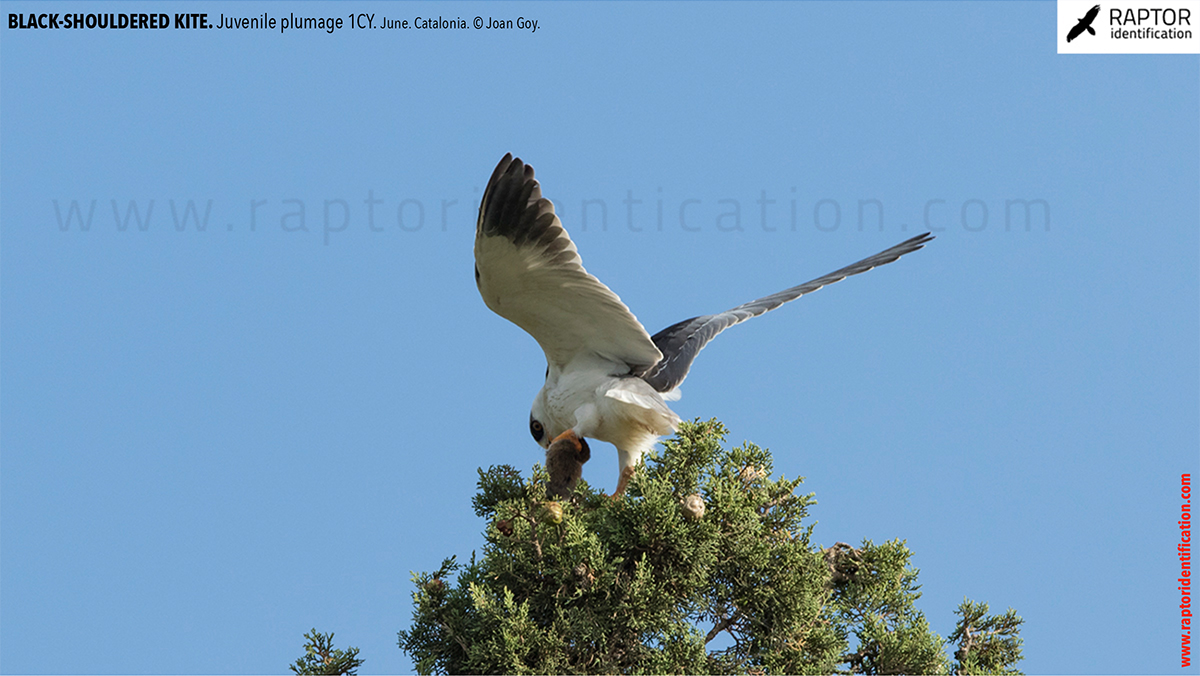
{"x": 213, "y": 440}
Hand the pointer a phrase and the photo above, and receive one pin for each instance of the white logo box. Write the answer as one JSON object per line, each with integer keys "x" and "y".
{"x": 1129, "y": 27}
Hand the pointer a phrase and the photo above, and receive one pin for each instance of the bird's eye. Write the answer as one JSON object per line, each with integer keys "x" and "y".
{"x": 535, "y": 428}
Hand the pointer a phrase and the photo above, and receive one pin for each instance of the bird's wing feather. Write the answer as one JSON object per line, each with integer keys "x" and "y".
{"x": 529, "y": 272}
{"x": 680, "y": 343}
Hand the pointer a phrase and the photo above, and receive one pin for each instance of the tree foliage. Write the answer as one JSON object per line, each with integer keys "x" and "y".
{"x": 987, "y": 644}
{"x": 705, "y": 566}
{"x": 320, "y": 657}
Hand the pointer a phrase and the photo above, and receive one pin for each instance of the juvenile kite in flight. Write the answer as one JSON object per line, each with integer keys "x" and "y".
{"x": 606, "y": 377}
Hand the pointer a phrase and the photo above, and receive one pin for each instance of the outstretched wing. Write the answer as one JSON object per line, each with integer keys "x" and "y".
{"x": 680, "y": 343}
{"x": 529, "y": 272}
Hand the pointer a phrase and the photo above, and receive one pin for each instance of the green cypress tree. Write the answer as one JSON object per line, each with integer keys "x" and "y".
{"x": 705, "y": 566}
{"x": 987, "y": 644}
{"x": 320, "y": 657}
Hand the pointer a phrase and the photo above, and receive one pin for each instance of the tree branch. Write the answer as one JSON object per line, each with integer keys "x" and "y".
{"x": 725, "y": 623}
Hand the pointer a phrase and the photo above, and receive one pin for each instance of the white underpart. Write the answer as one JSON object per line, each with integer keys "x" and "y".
{"x": 624, "y": 411}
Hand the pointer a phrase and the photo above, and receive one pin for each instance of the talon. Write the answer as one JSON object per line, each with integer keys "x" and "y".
{"x": 569, "y": 435}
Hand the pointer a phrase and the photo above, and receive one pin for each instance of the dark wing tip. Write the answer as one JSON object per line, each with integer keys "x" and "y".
{"x": 512, "y": 206}
{"x": 910, "y": 245}
{"x": 500, "y": 169}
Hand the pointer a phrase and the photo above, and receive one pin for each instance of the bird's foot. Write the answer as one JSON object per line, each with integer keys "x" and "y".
{"x": 570, "y": 441}
{"x": 623, "y": 483}
{"x": 568, "y": 436}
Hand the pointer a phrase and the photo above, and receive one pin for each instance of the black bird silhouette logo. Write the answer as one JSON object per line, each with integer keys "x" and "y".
{"x": 1085, "y": 24}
